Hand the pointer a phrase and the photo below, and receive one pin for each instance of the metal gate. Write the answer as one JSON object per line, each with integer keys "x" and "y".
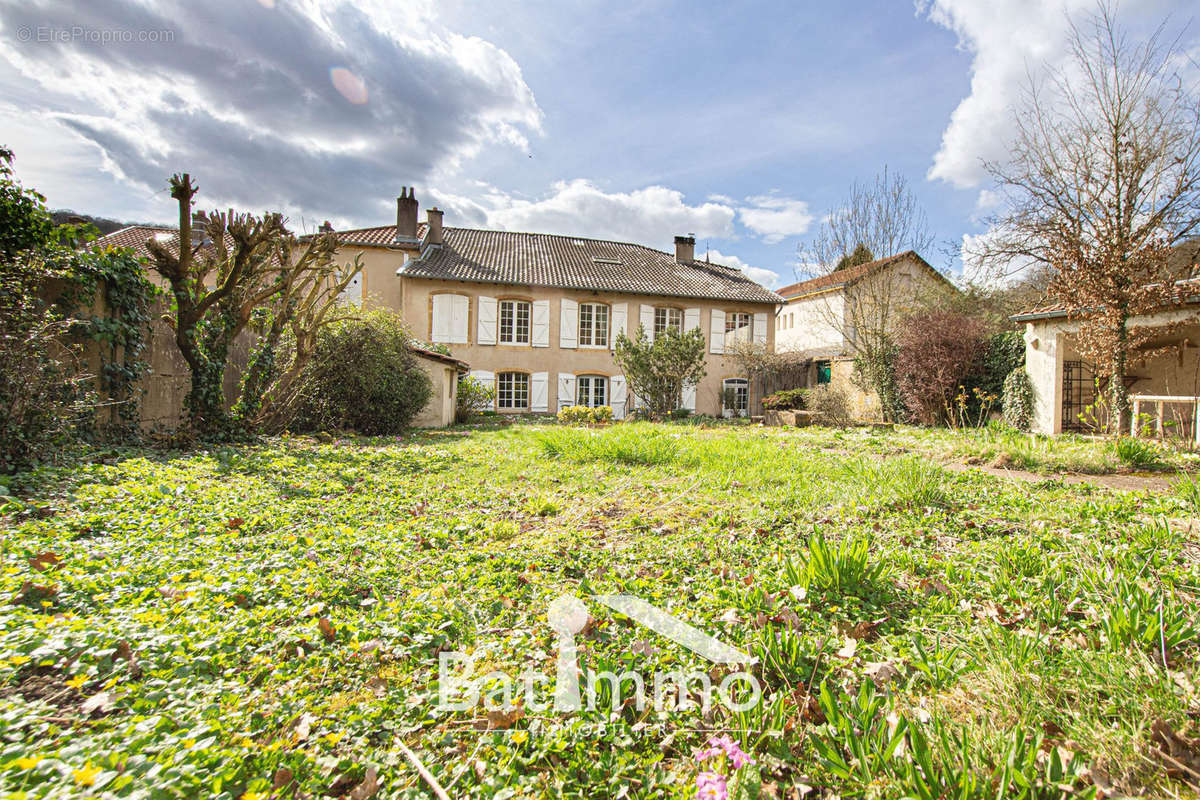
{"x": 1079, "y": 390}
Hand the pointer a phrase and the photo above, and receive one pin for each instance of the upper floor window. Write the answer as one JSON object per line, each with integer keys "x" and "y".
{"x": 668, "y": 318}
{"x": 514, "y": 322}
{"x": 593, "y": 325}
{"x": 512, "y": 390}
{"x": 738, "y": 325}
{"x": 592, "y": 390}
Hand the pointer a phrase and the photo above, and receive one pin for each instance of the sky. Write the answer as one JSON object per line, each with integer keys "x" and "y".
{"x": 741, "y": 123}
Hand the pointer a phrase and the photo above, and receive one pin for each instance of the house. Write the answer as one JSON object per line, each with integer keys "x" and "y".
{"x": 1064, "y": 382}
{"x": 538, "y": 315}
{"x": 821, "y": 317}
{"x": 443, "y": 372}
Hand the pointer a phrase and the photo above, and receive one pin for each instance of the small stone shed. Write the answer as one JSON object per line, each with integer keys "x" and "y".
{"x": 443, "y": 371}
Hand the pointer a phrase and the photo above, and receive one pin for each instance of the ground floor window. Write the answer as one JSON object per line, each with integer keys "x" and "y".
{"x": 735, "y": 396}
{"x": 512, "y": 391}
{"x": 824, "y": 372}
{"x": 592, "y": 391}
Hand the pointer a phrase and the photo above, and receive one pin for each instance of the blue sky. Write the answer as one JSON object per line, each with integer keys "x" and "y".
{"x": 742, "y": 123}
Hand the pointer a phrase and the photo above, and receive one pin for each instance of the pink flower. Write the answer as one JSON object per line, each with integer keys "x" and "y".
{"x": 718, "y": 745}
{"x": 711, "y": 786}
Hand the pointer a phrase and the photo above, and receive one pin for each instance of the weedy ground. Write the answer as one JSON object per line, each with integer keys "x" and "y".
{"x": 266, "y": 621}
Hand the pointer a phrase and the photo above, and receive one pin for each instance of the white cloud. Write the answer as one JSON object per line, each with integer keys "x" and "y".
{"x": 651, "y": 216}
{"x": 764, "y": 276}
{"x": 322, "y": 107}
{"x": 1009, "y": 41}
{"x": 775, "y": 218}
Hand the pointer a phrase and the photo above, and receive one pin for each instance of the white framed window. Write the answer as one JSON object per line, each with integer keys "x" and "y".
{"x": 738, "y": 326}
{"x": 668, "y": 318}
{"x": 735, "y": 396}
{"x": 593, "y": 325}
{"x": 512, "y": 391}
{"x": 514, "y": 322}
{"x": 592, "y": 390}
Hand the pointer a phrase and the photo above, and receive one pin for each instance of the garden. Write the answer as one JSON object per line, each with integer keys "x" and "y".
{"x": 270, "y": 619}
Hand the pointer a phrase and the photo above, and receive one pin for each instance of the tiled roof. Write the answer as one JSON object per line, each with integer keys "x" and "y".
{"x": 571, "y": 262}
{"x": 382, "y": 236}
{"x": 842, "y": 277}
{"x": 433, "y": 355}
{"x": 135, "y": 237}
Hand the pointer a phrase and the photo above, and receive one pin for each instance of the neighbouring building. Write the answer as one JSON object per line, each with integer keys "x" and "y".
{"x": 443, "y": 371}
{"x": 537, "y": 315}
{"x": 820, "y": 316}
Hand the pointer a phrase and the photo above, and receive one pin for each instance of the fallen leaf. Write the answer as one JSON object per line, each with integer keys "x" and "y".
{"x": 283, "y": 778}
{"x": 881, "y": 672}
{"x": 848, "y": 649}
{"x": 934, "y": 586}
{"x": 369, "y": 786}
{"x": 236, "y": 523}
{"x": 501, "y": 720}
{"x": 303, "y": 726}
{"x": 326, "y": 628}
{"x": 1181, "y": 754}
{"x": 44, "y": 561}
{"x": 97, "y": 703}
{"x": 377, "y": 686}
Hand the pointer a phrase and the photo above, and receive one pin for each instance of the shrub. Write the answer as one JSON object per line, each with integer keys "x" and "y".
{"x": 583, "y": 415}
{"x": 1018, "y": 399}
{"x": 830, "y": 405}
{"x": 474, "y": 397}
{"x": 786, "y": 400}
{"x": 362, "y": 377}
{"x": 936, "y": 352}
{"x": 657, "y": 371}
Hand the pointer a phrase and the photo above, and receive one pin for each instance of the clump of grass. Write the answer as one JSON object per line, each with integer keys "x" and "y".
{"x": 1153, "y": 621}
{"x": 911, "y": 481}
{"x": 1136, "y": 452}
{"x": 1187, "y": 489}
{"x": 837, "y": 569}
{"x": 637, "y": 445}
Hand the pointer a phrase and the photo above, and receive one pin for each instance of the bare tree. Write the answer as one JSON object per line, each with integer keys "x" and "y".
{"x": 1102, "y": 182}
{"x": 882, "y": 219}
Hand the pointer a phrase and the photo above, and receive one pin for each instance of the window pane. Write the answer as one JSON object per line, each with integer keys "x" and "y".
{"x": 585, "y": 323}
{"x": 506, "y": 321}
{"x": 522, "y": 328}
{"x": 600, "y": 338}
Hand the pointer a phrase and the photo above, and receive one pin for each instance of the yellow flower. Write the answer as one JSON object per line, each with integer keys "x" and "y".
{"x": 255, "y": 796}
{"x": 86, "y": 776}
{"x": 189, "y": 743}
{"x": 78, "y": 680}
{"x": 520, "y": 737}
{"x": 28, "y": 762}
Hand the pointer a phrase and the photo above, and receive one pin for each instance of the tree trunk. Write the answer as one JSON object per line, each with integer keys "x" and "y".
{"x": 1118, "y": 395}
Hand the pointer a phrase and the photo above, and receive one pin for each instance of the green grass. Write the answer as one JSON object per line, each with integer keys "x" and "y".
{"x": 215, "y": 623}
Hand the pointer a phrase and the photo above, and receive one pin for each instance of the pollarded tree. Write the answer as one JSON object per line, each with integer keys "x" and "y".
{"x": 1103, "y": 181}
{"x": 657, "y": 371}
{"x": 242, "y": 269}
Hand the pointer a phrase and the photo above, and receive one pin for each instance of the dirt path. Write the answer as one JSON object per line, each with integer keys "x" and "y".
{"x": 1118, "y": 482}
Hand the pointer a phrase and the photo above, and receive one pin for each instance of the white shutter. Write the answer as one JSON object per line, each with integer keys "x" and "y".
{"x": 440, "y": 329}
{"x": 566, "y": 390}
{"x": 618, "y": 392}
{"x": 689, "y": 397}
{"x": 691, "y": 319}
{"x": 460, "y": 317}
{"x": 647, "y": 320}
{"x": 488, "y": 379}
{"x": 537, "y": 391}
{"x": 486, "y": 333}
{"x": 568, "y": 324}
{"x": 717, "y": 332}
{"x": 541, "y": 323}
{"x": 760, "y": 328}
{"x": 620, "y": 314}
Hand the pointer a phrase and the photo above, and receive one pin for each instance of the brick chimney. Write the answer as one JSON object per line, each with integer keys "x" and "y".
{"x": 433, "y": 218}
{"x": 685, "y": 249}
{"x": 406, "y": 214}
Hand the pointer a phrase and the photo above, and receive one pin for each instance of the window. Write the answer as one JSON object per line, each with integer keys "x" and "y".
{"x": 738, "y": 326}
{"x": 735, "y": 396}
{"x": 512, "y": 390}
{"x": 593, "y": 325}
{"x": 824, "y": 372}
{"x": 592, "y": 391}
{"x": 514, "y": 322}
{"x": 668, "y": 318}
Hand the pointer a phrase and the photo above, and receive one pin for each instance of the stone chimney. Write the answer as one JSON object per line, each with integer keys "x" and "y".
{"x": 406, "y": 214}
{"x": 433, "y": 217}
{"x": 685, "y": 249}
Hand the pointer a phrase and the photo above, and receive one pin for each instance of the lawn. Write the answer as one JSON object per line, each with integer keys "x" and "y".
{"x": 269, "y": 620}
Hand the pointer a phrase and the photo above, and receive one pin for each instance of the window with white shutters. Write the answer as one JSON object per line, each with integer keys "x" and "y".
{"x": 514, "y": 322}
{"x": 737, "y": 326}
{"x": 593, "y": 325}
{"x": 512, "y": 391}
{"x": 592, "y": 391}
{"x": 668, "y": 318}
